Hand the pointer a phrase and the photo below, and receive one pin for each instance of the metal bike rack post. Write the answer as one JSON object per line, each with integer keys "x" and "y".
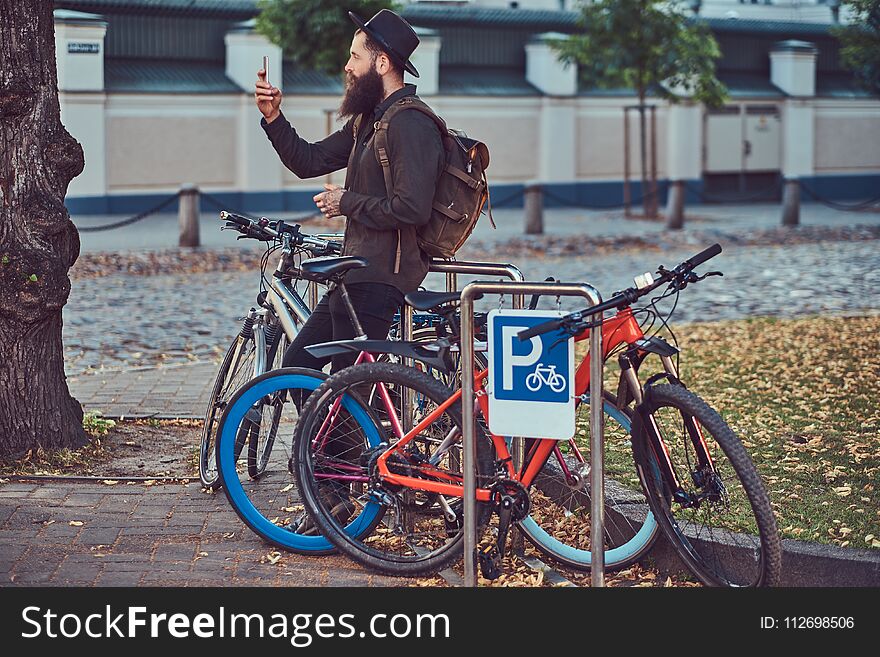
{"x": 451, "y": 268}
{"x": 597, "y": 483}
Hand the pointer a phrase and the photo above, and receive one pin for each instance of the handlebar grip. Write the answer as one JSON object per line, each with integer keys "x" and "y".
{"x": 228, "y": 216}
{"x": 544, "y": 327}
{"x": 704, "y": 255}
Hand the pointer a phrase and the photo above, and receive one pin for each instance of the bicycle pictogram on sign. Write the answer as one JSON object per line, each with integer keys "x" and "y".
{"x": 545, "y": 375}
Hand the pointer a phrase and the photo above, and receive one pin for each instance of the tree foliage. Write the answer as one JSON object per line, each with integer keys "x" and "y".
{"x": 861, "y": 43}
{"x": 645, "y": 45}
{"x": 316, "y": 34}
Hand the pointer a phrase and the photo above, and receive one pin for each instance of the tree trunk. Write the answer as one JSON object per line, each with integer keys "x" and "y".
{"x": 643, "y": 153}
{"x": 38, "y": 241}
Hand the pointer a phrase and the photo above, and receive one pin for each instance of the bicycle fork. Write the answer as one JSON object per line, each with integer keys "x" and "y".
{"x": 645, "y": 424}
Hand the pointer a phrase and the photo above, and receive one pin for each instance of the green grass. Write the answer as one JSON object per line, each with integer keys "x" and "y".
{"x": 802, "y": 396}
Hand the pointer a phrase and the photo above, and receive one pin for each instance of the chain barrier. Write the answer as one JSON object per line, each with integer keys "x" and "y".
{"x": 510, "y": 198}
{"x": 127, "y": 222}
{"x": 856, "y": 207}
{"x": 613, "y": 206}
{"x": 754, "y": 196}
{"x": 168, "y": 201}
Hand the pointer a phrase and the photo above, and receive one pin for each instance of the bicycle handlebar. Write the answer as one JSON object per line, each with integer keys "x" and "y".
{"x": 265, "y": 230}
{"x": 576, "y": 321}
{"x": 703, "y": 256}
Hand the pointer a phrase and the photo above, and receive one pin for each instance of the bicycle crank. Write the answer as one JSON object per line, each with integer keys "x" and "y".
{"x": 511, "y": 502}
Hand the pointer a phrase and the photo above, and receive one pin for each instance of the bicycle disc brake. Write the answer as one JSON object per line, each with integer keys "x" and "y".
{"x": 511, "y": 501}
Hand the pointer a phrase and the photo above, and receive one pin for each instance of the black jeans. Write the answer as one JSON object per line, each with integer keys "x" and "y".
{"x": 374, "y": 304}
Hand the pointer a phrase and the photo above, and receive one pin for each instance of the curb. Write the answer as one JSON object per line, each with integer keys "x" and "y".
{"x": 803, "y": 563}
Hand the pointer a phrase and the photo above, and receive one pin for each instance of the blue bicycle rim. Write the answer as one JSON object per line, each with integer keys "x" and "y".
{"x": 231, "y": 483}
{"x": 613, "y": 556}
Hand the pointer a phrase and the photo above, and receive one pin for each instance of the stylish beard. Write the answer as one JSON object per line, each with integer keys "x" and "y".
{"x": 362, "y": 94}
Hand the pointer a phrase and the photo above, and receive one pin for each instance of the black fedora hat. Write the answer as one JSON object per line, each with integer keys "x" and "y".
{"x": 393, "y": 34}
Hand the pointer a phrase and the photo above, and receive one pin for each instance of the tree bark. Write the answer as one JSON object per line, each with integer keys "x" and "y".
{"x": 38, "y": 241}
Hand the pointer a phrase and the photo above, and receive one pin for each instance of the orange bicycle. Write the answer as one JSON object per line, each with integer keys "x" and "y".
{"x": 692, "y": 478}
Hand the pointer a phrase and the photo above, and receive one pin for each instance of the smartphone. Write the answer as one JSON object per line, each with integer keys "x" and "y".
{"x": 266, "y": 67}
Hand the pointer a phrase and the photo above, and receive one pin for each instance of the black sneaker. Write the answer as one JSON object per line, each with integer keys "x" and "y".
{"x": 341, "y": 508}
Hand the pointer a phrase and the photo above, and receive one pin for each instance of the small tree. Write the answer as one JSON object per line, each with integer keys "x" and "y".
{"x": 861, "y": 43}
{"x": 38, "y": 242}
{"x": 315, "y": 33}
{"x": 649, "y": 46}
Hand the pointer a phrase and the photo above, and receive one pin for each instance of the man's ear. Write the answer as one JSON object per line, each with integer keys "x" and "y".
{"x": 383, "y": 64}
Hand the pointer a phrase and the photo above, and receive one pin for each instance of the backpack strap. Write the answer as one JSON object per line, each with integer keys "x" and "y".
{"x": 380, "y": 145}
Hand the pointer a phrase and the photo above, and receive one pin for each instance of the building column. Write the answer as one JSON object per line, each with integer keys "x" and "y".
{"x": 557, "y": 156}
{"x": 426, "y": 59}
{"x": 259, "y": 173}
{"x": 793, "y": 71}
{"x": 79, "y": 48}
{"x": 684, "y": 145}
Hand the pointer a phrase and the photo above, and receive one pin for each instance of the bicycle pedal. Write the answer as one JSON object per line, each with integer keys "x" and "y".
{"x": 490, "y": 562}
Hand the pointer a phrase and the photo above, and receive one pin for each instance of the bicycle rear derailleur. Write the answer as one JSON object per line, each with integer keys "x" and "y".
{"x": 511, "y": 502}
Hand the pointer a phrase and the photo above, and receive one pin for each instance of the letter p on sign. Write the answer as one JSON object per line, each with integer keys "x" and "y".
{"x": 509, "y": 360}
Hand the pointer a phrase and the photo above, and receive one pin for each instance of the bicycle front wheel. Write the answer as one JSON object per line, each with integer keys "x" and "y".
{"x": 559, "y": 523}
{"x": 718, "y": 518}
{"x": 270, "y": 504}
{"x": 267, "y": 413}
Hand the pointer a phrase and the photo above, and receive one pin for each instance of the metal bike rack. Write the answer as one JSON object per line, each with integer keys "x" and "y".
{"x": 597, "y": 483}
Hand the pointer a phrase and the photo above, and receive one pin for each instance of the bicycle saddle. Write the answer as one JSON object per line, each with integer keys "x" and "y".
{"x": 330, "y": 266}
{"x": 426, "y": 299}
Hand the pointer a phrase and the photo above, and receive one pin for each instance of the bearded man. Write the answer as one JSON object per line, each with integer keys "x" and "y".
{"x": 378, "y": 228}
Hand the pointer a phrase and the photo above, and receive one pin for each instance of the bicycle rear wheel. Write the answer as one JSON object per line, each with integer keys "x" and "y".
{"x": 719, "y": 521}
{"x": 418, "y": 532}
{"x": 560, "y": 519}
{"x": 270, "y": 504}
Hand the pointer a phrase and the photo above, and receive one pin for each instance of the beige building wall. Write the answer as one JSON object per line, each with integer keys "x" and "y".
{"x": 847, "y": 136}
{"x": 600, "y": 139}
{"x": 156, "y": 142}
{"x": 508, "y": 126}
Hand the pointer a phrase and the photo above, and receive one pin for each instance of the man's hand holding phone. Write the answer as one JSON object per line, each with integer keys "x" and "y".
{"x": 268, "y": 97}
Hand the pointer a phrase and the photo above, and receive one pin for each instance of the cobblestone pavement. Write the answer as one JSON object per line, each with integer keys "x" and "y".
{"x": 122, "y": 321}
{"x": 94, "y": 534}
{"x": 172, "y": 392}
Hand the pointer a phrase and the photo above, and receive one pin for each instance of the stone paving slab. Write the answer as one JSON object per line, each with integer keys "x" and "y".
{"x": 182, "y": 546}
{"x": 179, "y": 391}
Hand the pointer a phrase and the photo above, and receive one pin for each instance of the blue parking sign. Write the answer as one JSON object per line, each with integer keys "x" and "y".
{"x": 530, "y": 381}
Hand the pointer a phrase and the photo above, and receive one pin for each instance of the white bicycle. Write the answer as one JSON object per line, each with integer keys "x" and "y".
{"x": 545, "y": 375}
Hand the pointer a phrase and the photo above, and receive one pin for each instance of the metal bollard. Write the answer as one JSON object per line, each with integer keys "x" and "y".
{"x": 791, "y": 202}
{"x": 534, "y": 209}
{"x": 675, "y": 205}
{"x": 188, "y": 215}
